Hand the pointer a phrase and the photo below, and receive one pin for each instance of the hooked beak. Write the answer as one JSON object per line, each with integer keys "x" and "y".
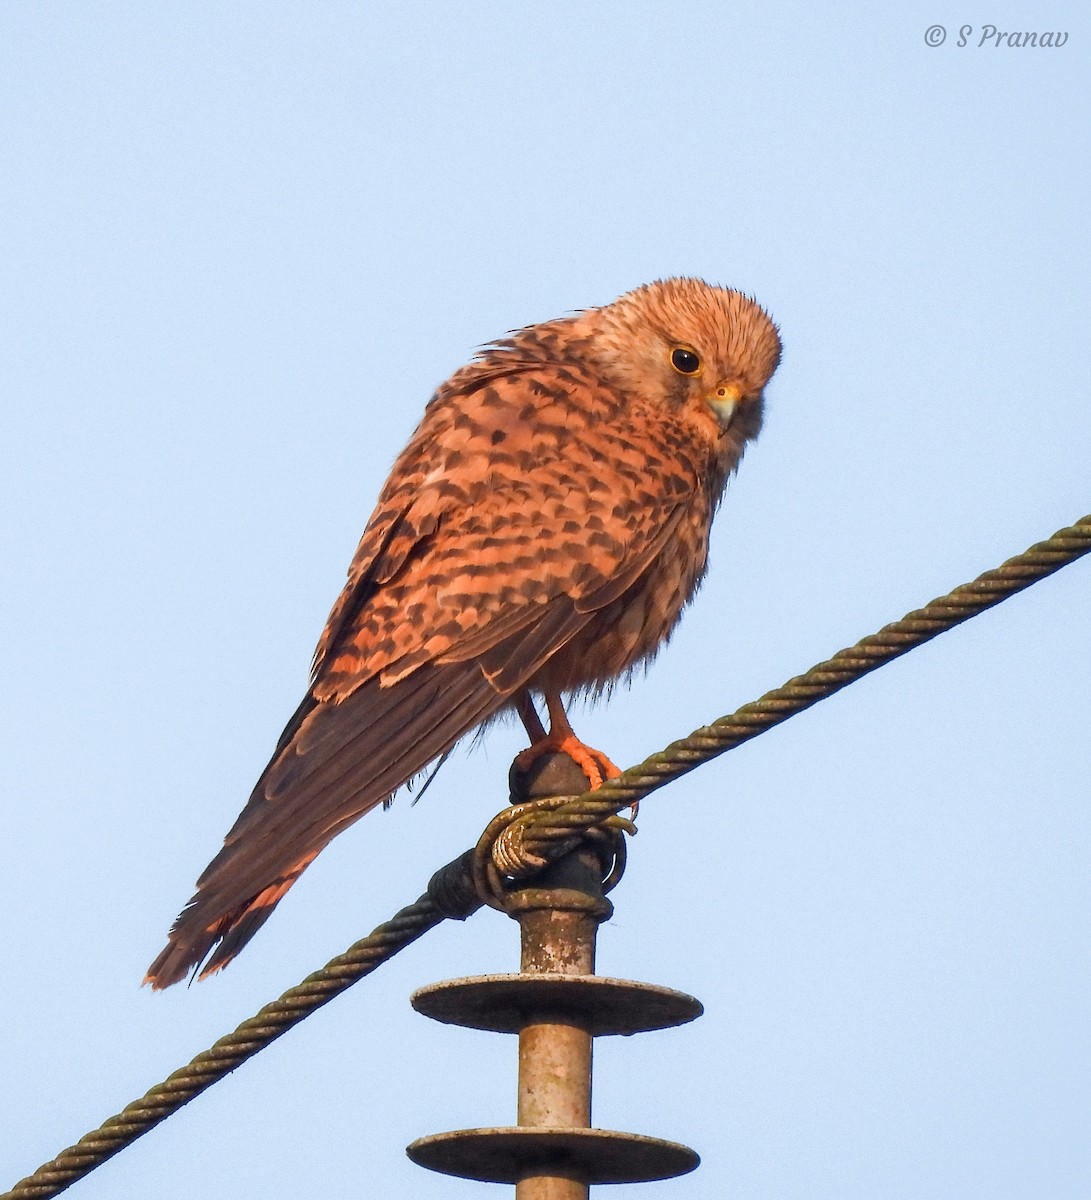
{"x": 724, "y": 402}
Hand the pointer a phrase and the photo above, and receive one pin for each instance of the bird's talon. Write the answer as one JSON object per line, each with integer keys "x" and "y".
{"x": 593, "y": 763}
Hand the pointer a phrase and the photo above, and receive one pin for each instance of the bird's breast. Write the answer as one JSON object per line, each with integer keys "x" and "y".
{"x": 634, "y": 626}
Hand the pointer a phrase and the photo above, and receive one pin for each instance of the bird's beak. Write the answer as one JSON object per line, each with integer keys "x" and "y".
{"x": 724, "y": 402}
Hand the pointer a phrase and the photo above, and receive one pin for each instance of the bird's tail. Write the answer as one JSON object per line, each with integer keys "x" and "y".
{"x": 190, "y": 944}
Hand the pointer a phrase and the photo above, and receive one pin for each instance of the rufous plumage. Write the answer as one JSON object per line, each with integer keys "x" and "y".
{"x": 539, "y": 536}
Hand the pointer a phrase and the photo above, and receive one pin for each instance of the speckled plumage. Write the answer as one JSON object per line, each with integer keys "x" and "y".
{"x": 541, "y": 533}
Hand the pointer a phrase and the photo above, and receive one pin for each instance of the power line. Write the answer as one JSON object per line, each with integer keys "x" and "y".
{"x": 541, "y": 832}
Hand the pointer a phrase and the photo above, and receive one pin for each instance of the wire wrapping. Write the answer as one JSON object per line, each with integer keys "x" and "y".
{"x": 548, "y": 833}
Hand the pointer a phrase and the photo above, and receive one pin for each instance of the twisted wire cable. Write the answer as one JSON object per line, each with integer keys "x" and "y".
{"x": 547, "y": 832}
{"x": 254, "y": 1034}
{"x": 552, "y": 832}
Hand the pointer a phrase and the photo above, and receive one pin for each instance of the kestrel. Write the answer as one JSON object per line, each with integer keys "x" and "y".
{"x": 539, "y": 536}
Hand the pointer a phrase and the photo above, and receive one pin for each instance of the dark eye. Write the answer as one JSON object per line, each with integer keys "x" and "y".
{"x": 685, "y": 362}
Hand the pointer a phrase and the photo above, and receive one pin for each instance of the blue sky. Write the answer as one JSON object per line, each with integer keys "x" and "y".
{"x": 241, "y": 245}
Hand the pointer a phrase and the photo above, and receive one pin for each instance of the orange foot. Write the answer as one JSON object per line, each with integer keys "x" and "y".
{"x": 593, "y": 763}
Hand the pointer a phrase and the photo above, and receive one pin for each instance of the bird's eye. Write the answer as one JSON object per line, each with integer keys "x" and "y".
{"x": 685, "y": 362}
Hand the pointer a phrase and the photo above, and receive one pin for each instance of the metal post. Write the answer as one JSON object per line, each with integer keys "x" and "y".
{"x": 558, "y": 921}
{"x": 557, "y": 1005}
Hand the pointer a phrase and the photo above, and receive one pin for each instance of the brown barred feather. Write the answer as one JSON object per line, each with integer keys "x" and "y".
{"x": 541, "y": 532}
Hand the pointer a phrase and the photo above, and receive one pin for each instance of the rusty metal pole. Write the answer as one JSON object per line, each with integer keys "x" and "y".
{"x": 557, "y": 1006}
{"x": 558, "y": 921}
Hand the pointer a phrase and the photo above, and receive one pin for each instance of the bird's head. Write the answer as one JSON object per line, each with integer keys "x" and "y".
{"x": 704, "y": 353}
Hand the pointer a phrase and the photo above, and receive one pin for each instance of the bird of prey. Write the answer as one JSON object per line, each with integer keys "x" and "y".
{"x": 538, "y": 537}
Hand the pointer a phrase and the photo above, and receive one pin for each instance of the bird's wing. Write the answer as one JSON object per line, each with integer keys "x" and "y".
{"x": 485, "y": 556}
